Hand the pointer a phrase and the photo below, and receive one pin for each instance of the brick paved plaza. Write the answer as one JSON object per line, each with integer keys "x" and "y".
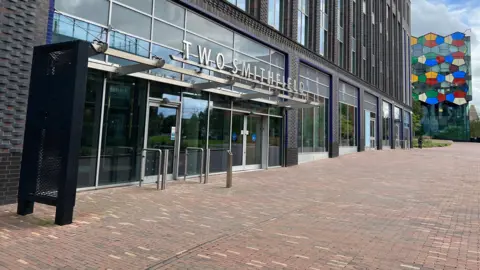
{"x": 419, "y": 211}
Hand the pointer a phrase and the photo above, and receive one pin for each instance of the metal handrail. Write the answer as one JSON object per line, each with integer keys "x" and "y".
{"x": 186, "y": 162}
{"x": 159, "y": 164}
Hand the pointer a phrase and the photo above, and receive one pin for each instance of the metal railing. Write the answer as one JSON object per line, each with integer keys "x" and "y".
{"x": 186, "y": 162}
{"x": 145, "y": 150}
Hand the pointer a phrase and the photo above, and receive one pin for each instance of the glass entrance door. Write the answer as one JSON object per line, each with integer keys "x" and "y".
{"x": 247, "y": 135}
{"x": 161, "y": 134}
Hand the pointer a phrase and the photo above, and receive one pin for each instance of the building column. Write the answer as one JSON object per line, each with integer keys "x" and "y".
{"x": 22, "y": 26}
{"x": 291, "y": 121}
{"x": 333, "y": 138}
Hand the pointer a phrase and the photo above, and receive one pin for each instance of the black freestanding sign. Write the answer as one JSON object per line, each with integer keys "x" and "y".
{"x": 53, "y": 128}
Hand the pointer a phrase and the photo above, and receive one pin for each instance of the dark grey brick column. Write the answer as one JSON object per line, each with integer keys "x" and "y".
{"x": 333, "y": 145}
{"x": 263, "y": 10}
{"x": 291, "y": 121}
{"x": 23, "y": 25}
{"x": 380, "y": 124}
{"x": 361, "y": 121}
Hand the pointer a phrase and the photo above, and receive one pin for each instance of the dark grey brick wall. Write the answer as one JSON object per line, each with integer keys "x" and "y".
{"x": 23, "y": 25}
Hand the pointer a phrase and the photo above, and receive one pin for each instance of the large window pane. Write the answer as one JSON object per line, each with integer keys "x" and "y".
{"x": 67, "y": 29}
{"x": 168, "y": 35}
{"x": 129, "y": 44}
{"x": 387, "y": 125}
{"x": 300, "y": 130}
{"x": 170, "y": 12}
{"x": 208, "y": 29}
{"x": 164, "y": 53}
{"x": 215, "y": 48}
{"x": 252, "y": 48}
{"x": 123, "y": 130}
{"x": 275, "y": 142}
{"x": 87, "y": 161}
{"x": 142, "y": 5}
{"x": 131, "y": 22}
{"x": 321, "y": 127}
{"x": 92, "y": 10}
{"x": 194, "y": 130}
{"x": 219, "y": 139}
{"x": 308, "y": 118}
{"x": 352, "y": 114}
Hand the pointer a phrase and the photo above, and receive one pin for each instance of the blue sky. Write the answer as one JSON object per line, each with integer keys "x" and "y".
{"x": 447, "y": 16}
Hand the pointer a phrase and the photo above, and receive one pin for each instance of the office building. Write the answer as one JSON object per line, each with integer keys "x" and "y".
{"x": 277, "y": 82}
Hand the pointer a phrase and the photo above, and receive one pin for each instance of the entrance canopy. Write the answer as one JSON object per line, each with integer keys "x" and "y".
{"x": 240, "y": 84}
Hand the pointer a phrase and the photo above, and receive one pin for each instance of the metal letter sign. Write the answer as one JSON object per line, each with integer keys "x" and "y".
{"x": 52, "y": 132}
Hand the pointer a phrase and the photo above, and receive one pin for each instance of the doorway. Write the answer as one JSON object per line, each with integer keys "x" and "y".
{"x": 247, "y": 136}
{"x": 161, "y": 133}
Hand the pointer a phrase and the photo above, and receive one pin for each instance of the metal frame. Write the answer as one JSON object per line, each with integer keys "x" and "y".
{"x": 186, "y": 162}
{"x": 159, "y": 165}
{"x": 173, "y": 105}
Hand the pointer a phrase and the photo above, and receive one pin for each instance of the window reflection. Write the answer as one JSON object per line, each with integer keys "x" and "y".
{"x": 123, "y": 130}
{"x": 164, "y": 53}
{"x": 143, "y": 5}
{"x": 129, "y": 44}
{"x": 348, "y": 125}
{"x": 275, "y": 14}
{"x": 208, "y": 29}
{"x": 170, "y": 12}
{"x": 87, "y": 161}
{"x": 275, "y": 142}
{"x": 387, "y": 124}
{"x": 67, "y": 29}
{"x": 194, "y": 130}
{"x": 130, "y": 21}
{"x": 219, "y": 139}
{"x": 168, "y": 35}
{"x": 91, "y": 10}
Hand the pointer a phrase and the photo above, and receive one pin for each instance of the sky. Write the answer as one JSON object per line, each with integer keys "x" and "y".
{"x": 448, "y": 16}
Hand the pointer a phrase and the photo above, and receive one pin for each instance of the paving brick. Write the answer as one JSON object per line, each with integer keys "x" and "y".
{"x": 398, "y": 209}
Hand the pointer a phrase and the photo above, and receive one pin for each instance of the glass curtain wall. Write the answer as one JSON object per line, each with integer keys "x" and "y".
{"x": 87, "y": 161}
{"x": 275, "y": 14}
{"x": 136, "y": 28}
{"x": 323, "y": 43}
{"x": 397, "y": 126}
{"x": 370, "y": 106}
{"x": 406, "y": 129}
{"x": 123, "y": 130}
{"x": 348, "y": 114}
{"x": 303, "y": 21}
{"x": 313, "y": 122}
{"x": 387, "y": 125}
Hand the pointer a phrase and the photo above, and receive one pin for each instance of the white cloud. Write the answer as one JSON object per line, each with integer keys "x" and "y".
{"x": 444, "y": 18}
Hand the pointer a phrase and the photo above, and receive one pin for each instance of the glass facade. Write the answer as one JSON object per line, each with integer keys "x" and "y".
{"x": 348, "y": 114}
{"x": 370, "y": 120}
{"x": 397, "y": 126}
{"x": 124, "y": 115}
{"x": 275, "y": 14}
{"x": 313, "y": 122}
{"x": 303, "y": 22}
{"x": 442, "y": 82}
{"x": 387, "y": 125}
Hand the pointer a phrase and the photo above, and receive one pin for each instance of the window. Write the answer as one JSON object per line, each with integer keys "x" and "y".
{"x": 341, "y": 15}
{"x": 95, "y": 11}
{"x": 303, "y": 26}
{"x": 249, "y": 6}
{"x": 341, "y": 57}
{"x": 130, "y": 21}
{"x": 387, "y": 124}
{"x": 275, "y": 14}
{"x": 323, "y": 28}
{"x": 348, "y": 102}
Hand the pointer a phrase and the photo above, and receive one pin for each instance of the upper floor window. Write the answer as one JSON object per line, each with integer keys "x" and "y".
{"x": 249, "y": 6}
{"x": 341, "y": 15}
{"x": 303, "y": 26}
{"x": 275, "y": 14}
